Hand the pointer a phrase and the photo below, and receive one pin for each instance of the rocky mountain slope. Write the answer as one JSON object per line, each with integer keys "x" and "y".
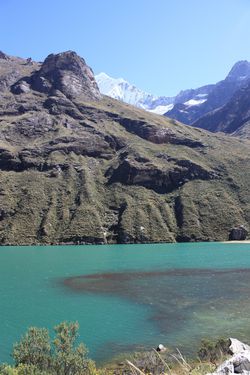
{"x": 215, "y": 96}
{"x": 232, "y": 118}
{"x": 78, "y": 167}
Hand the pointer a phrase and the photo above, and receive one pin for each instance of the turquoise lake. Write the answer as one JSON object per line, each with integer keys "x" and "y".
{"x": 127, "y": 297}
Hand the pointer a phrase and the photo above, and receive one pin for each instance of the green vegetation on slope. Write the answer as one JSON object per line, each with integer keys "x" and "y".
{"x": 79, "y": 171}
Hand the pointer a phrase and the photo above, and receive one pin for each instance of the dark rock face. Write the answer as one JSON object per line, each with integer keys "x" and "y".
{"x": 156, "y": 134}
{"x": 231, "y": 117}
{"x": 240, "y": 71}
{"x": 238, "y": 233}
{"x": 242, "y": 367}
{"x": 132, "y": 172}
{"x": 21, "y": 87}
{"x": 68, "y": 73}
{"x": 184, "y": 113}
{"x": 186, "y": 95}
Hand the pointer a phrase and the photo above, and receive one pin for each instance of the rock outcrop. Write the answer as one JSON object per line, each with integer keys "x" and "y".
{"x": 239, "y": 363}
{"x": 3, "y": 56}
{"x": 68, "y": 73}
{"x": 238, "y": 233}
{"x": 143, "y": 173}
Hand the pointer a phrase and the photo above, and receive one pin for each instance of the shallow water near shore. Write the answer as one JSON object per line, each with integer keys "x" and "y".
{"x": 127, "y": 297}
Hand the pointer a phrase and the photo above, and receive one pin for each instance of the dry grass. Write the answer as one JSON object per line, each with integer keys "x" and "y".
{"x": 178, "y": 366}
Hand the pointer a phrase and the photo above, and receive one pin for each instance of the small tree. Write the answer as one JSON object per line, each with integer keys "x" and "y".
{"x": 33, "y": 355}
{"x": 68, "y": 358}
{"x": 34, "y": 349}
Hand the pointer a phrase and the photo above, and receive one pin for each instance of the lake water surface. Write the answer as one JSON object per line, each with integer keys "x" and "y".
{"x": 127, "y": 297}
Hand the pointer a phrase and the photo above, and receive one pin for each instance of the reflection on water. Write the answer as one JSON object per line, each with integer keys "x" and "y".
{"x": 187, "y": 304}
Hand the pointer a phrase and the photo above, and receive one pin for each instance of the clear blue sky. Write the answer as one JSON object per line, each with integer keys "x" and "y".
{"x": 162, "y": 46}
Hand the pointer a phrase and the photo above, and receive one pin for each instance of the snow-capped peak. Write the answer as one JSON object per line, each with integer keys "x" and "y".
{"x": 120, "y": 89}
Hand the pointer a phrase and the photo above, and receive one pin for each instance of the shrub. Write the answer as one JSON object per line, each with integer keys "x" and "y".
{"x": 212, "y": 351}
{"x": 68, "y": 359}
{"x": 35, "y": 355}
{"x": 34, "y": 349}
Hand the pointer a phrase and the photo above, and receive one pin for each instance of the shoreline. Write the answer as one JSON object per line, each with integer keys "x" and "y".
{"x": 120, "y": 244}
{"x": 237, "y": 241}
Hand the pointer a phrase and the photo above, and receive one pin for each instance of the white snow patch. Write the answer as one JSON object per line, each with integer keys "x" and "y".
{"x": 242, "y": 77}
{"x": 192, "y": 102}
{"x": 161, "y": 109}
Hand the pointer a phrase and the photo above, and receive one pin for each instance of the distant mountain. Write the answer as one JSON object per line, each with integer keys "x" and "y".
{"x": 211, "y": 97}
{"x": 120, "y": 89}
{"x": 232, "y": 118}
{"x": 189, "y": 106}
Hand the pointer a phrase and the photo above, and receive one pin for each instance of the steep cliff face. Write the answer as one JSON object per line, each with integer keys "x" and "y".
{"x": 68, "y": 73}
{"x": 76, "y": 167}
{"x": 212, "y": 97}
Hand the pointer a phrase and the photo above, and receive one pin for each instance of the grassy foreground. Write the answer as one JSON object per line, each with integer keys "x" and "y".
{"x": 37, "y": 354}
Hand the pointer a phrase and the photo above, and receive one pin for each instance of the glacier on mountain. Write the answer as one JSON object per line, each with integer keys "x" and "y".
{"x": 120, "y": 89}
{"x": 188, "y": 105}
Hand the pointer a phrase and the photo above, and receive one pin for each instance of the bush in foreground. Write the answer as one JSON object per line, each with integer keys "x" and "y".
{"x": 36, "y": 354}
{"x": 213, "y": 351}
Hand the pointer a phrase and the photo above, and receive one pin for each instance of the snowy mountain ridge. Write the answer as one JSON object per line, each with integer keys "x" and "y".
{"x": 188, "y": 105}
{"x": 120, "y": 89}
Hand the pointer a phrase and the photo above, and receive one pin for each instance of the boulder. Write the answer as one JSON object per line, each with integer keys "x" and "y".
{"x": 29, "y": 61}
{"x": 238, "y": 233}
{"x": 239, "y": 363}
{"x": 161, "y": 348}
{"x": 237, "y": 346}
{"x": 242, "y": 365}
{"x": 21, "y": 87}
